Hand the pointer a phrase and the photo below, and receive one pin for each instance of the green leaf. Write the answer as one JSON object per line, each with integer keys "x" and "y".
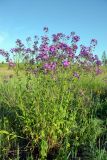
{"x": 4, "y": 132}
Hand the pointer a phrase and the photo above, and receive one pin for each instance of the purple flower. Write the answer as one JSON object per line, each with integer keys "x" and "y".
{"x": 11, "y": 63}
{"x": 96, "y": 57}
{"x": 45, "y": 29}
{"x": 98, "y": 71}
{"x": 85, "y": 52}
{"x": 67, "y": 37}
{"x": 60, "y": 35}
{"x": 94, "y": 42}
{"x": 75, "y": 39}
{"x": 36, "y": 38}
{"x": 75, "y": 47}
{"x": 45, "y": 57}
{"x": 47, "y": 66}
{"x": 69, "y": 50}
{"x": 53, "y": 65}
{"x": 66, "y": 63}
{"x": 35, "y": 48}
{"x": 98, "y": 62}
{"x": 17, "y": 50}
{"x": 19, "y": 43}
{"x": 76, "y": 75}
{"x": 52, "y": 48}
{"x": 4, "y": 53}
{"x": 45, "y": 40}
{"x": 71, "y": 55}
{"x": 72, "y": 33}
{"x": 64, "y": 47}
{"x": 55, "y": 38}
{"x": 42, "y": 56}
{"x": 28, "y": 39}
{"x": 28, "y": 50}
{"x": 43, "y": 48}
{"x": 50, "y": 66}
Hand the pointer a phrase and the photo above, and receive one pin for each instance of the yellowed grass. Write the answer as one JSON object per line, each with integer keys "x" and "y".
{"x": 5, "y": 71}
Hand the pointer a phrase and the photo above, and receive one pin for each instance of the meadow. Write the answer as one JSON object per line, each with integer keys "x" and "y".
{"x": 53, "y": 102}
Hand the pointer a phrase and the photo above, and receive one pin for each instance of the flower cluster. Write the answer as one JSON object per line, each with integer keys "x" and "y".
{"x": 11, "y": 63}
{"x": 4, "y": 54}
{"x": 50, "y": 66}
{"x": 45, "y": 29}
{"x": 75, "y": 39}
{"x": 61, "y": 50}
{"x": 66, "y": 63}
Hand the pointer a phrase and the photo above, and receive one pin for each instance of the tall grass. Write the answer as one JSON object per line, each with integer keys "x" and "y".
{"x": 53, "y": 116}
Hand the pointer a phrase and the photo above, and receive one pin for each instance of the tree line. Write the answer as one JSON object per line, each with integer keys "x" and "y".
{"x": 104, "y": 59}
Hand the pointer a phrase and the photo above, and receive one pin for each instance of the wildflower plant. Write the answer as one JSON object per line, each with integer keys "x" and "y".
{"x": 51, "y": 108}
{"x": 54, "y": 52}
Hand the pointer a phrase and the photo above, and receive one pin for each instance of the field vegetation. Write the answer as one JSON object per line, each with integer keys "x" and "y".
{"x": 53, "y": 101}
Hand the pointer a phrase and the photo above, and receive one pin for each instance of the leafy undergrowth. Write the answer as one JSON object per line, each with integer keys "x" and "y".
{"x": 46, "y": 117}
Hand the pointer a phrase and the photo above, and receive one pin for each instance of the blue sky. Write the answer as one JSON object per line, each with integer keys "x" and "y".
{"x": 22, "y": 18}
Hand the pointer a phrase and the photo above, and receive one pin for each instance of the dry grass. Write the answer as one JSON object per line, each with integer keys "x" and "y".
{"x": 5, "y": 72}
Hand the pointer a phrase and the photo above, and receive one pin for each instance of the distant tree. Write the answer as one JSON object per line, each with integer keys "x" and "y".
{"x": 104, "y": 58}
